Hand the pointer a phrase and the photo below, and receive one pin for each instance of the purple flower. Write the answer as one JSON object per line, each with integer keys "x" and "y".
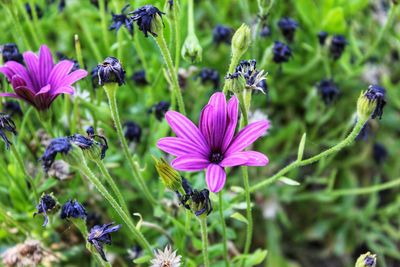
{"x": 212, "y": 145}
{"x": 41, "y": 81}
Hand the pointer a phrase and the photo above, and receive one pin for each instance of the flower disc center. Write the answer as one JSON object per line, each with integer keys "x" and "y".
{"x": 216, "y": 157}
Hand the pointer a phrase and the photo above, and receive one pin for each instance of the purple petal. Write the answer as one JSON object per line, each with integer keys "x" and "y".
{"x": 233, "y": 106}
{"x": 247, "y": 136}
{"x": 185, "y": 129}
{"x": 17, "y": 81}
{"x": 45, "y": 64}
{"x": 16, "y": 68}
{"x": 218, "y": 102}
{"x": 215, "y": 177}
{"x": 62, "y": 90}
{"x": 234, "y": 159}
{"x": 32, "y": 63}
{"x": 179, "y": 147}
{"x": 205, "y": 123}
{"x": 190, "y": 163}
{"x": 73, "y": 77}
{"x": 60, "y": 70}
{"x": 255, "y": 158}
{"x": 42, "y": 98}
{"x": 25, "y": 94}
{"x": 9, "y": 95}
{"x": 7, "y": 72}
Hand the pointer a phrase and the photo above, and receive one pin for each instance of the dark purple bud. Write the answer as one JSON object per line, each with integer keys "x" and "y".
{"x": 12, "y": 108}
{"x": 378, "y": 94}
{"x": 160, "y": 109}
{"x": 58, "y": 145}
{"x": 209, "y": 75}
{"x": 111, "y": 71}
{"x": 10, "y": 52}
{"x": 133, "y": 132}
{"x": 288, "y": 28}
{"x": 282, "y": 52}
{"x": 46, "y": 204}
{"x": 119, "y": 20}
{"x": 328, "y": 91}
{"x": 73, "y": 209}
{"x": 338, "y": 44}
{"x": 139, "y": 78}
{"x": 148, "y": 18}
{"x": 222, "y": 34}
{"x": 322, "y": 37}
{"x": 101, "y": 235}
{"x": 7, "y": 125}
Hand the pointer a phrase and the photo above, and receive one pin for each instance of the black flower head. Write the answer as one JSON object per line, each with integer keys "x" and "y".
{"x": 73, "y": 209}
{"x": 10, "y": 52}
{"x": 7, "y": 125}
{"x": 160, "y": 109}
{"x": 95, "y": 144}
{"x": 380, "y": 153}
{"x": 338, "y": 44}
{"x": 76, "y": 65}
{"x": 139, "y": 78}
{"x": 197, "y": 201}
{"x": 133, "y": 132}
{"x": 209, "y": 75}
{"x": 222, "y": 34}
{"x": 94, "y": 74}
{"x": 111, "y": 71}
{"x": 322, "y": 37}
{"x": 57, "y": 145}
{"x": 282, "y": 52}
{"x": 38, "y": 10}
{"x": 12, "y": 108}
{"x": 119, "y": 20}
{"x": 100, "y": 235}
{"x": 145, "y": 19}
{"x": 46, "y": 203}
{"x": 377, "y": 94}
{"x": 328, "y": 91}
{"x": 288, "y": 28}
{"x": 253, "y": 77}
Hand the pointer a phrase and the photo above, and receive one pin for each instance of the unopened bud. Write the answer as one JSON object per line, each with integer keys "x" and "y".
{"x": 241, "y": 40}
{"x": 191, "y": 49}
{"x": 169, "y": 176}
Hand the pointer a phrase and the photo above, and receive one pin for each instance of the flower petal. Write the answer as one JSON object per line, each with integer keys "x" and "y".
{"x": 26, "y": 94}
{"x": 60, "y": 70}
{"x": 179, "y": 147}
{"x": 247, "y": 136}
{"x": 233, "y": 106}
{"x": 45, "y": 65}
{"x": 9, "y": 95}
{"x": 32, "y": 63}
{"x": 218, "y": 102}
{"x": 73, "y": 77}
{"x": 215, "y": 177}
{"x": 190, "y": 162}
{"x": 12, "y": 68}
{"x": 254, "y": 158}
{"x": 185, "y": 129}
{"x": 42, "y": 98}
{"x": 205, "y": 123}
{"x": 17, "y": 81}
{"x": 234, "y": 159}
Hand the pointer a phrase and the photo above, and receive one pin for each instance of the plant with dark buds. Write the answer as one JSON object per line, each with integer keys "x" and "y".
{"x": 160, "y": 109}
{"x": 7, "y": 125}
{"x": 372, "y": 102}
{"x": 222, "y": 34}
{"x": 119, "y": 20}
{"x": 133, "y": 132}
{"x": 10, "y": 52}
{"x": 149, "y": 19}
{"x": 139, "y": 78}
{"x": 73, "y": 209}
{"x": 111, "y": 71}
{"x": 246, "y": 76}
{"x": 338, "y": 44}
{"x": 209, "y": 75}
{"x": 328, "y": 91}
{"x": 288, "y": 28}
{"x": 94, "y": 74}
{"x": 58, "y": 145}
{"x": 282, "y": 52}
{"x": 101, "y": 235}
{"x": 94, "y": 146}
{"x": 46, "y": 204}
{"x": 322, "y": 37}
{"x": 197, "y": 201}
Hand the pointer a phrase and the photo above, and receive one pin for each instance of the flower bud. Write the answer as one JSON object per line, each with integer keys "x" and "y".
{"x": 371, "y": 102}
{"x": 47, "y": 204}
{"x": 236, "y": 83}
{"x": 241, "y": 40}
{"x": 73, "y": 209}
{"x": 169, "y": 9}
{"x": 149, "y": 20}
{"x": 191, "y": 49}
{"x": 366, "y": 260}
{"x": 169, "y": 176}
{"x": 111, "y": 71}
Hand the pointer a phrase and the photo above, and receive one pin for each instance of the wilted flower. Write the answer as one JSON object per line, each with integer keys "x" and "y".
{"x": 29, "y": 10}
{"x": 12, "y": 108}
{"x": 119, "y": 20}
{"x": 213, "y": 145}
{"x": 288, "y": 28}
{"x": 92, "y": 148}
{"x": 133, "y": 132}
{"x": 170, "y": 177}
{"x": 366, "y": 260}
{"x": 111, "y": 71}
{"x": 253, "y": 77}
{"x": 149, "y": 19}
{"x": 41, "y": 82}
{"x": 322, "y": 37}
{"x": 61, "y": 56}
{"x": 7, "y": 125}
{"x": 282, "y": 52}
{"x": 338, "y": 44}
{"x": 100, "y": 235}
{"x": 222, "y": 34}
{"x": 139, "y": 78}
{"x": 209, "y": 75}
{"x": 10, "y": 52}
{"x": 73, "y": 209}
{"x": 166, "y": 258}
{"x": 328, "y": 91}
{"x": 197, "y": 201}
{"x": 46, "y": 203}
{"x": 160, "y": 109}
{"x": 57, "y": 145}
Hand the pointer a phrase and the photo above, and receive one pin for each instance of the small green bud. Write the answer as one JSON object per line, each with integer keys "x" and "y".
{"x": 169, "y": 176}
{"x": 191, "y": 49}
{"x": 365, "y": 106}
{"x": 236, "y": 83}
{"x": 366, "y": 260}
{"x": 157, "y": 25}
{"x": 171, "y": 8}
{"x": 241, "y": 40}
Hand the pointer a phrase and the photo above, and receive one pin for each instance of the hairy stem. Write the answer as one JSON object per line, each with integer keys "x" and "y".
{"x": 204, "y": 239}
{"x": 222, "y": 221}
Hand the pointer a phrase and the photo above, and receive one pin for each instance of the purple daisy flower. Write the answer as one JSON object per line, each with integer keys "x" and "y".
{"x": 41, "y": 81}
{"x": 212, "y": 145}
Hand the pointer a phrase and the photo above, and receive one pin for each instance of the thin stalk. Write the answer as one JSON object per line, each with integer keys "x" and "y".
{"x": 140, "y": 52}
{"x": 104, "y": 28}
{"x": 190, "y": 18}
{"x": 177, "y": 27}
{"x": 113, "y": 185}
{"x": 111, "y": 91}
{"x": 160, "y": 40}
{"x": 22, "y": 167}
{"x": 29, "y": 22}
{"x": 204, "y": 239}
{"x": 222, "y": 221}
{"x": 234, "y": 62}
{"x": 125, "y": 217}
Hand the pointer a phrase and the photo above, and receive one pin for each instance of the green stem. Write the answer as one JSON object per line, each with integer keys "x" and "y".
{"x": 29, "y": 22}
{"x": 204, "y": 239}
{"x": 234, "y": 62}
{"x": 177, "y": 36}
{"x": 222, "y": 221}
{"x": 160, "y": 40}
{"x": 104, "y": 28}
{"x": 22, "y": 167}
{"x": 113, "y": 185}
{"x": 125, "y": 217}
{"x": 190, "y": 18}
{"x": 141, "y": 54}
{"x": 111, "y": 91}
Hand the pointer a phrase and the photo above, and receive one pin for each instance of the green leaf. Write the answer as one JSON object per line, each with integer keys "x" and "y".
{"x": 239, "y": 217}
{"x": 289, "y": 181}
{"x": 334, "y": 21}
{"x": 256, "y": 258}
{"x": 301, "y": 147}
{"x": 143, "y": 259}
{"x": 308, "y": 12}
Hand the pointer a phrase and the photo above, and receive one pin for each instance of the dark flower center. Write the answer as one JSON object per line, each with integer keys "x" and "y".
{"x": 216, "y": 157}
